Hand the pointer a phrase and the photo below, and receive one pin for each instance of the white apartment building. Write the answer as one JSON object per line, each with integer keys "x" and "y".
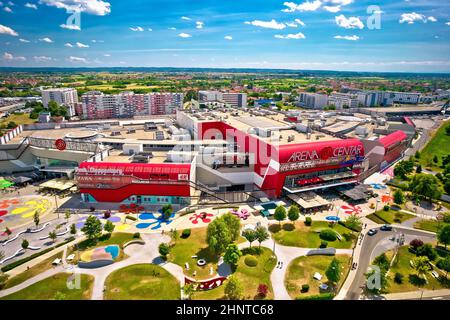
{"x": 312, "y": 100}
{"x": 343, "y": 100}
{"x": 236, "y": 99}
{"x": 63, "y": 96}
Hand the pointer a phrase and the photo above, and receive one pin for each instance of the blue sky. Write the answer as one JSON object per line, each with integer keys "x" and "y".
{"x": 299, "y": 34}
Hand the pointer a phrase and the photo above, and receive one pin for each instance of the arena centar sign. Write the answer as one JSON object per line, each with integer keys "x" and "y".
{"x": 325, "y": 154}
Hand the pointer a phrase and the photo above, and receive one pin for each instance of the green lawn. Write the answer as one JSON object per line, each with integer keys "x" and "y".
{"x": 391, "y": 216}
{"x": 33, "y": 271}
{"x": 46, "y": 289}
{"x": 411, "y": 282}
{"x": 301, "y": 271}
{"x": 428, "y": 225}
{"x": 436, "y": 146}
{"x": 142, "y": 282}
{"x": 308, "y": 237}
{"x": 250, "y": 277}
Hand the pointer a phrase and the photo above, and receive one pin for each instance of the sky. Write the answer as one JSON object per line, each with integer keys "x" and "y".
{"x": 396, "y": 35}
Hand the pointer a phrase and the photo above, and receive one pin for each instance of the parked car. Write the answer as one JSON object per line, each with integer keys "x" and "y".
{"x": 386, "y": 227}
{"x": 372, "y": 232}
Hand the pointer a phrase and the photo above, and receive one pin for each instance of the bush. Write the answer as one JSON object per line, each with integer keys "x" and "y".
{"x": 131, "y": 218}
{"x": 416, "y": 243}
{"x": 305, "y": 288}
{"x": 186, "y": 233}
{"x": 398, "y": 278}
{"x": 136, "y": 235}
{"x": 324, "y": 296}
{"x": 328, "y": 234}
{"x": 323, "y": 244}
{"x": 308, "y": 221}
{"x": 263, "y": 290}
{"x": 164, "y": 250}
{"x": 386, "y": 207}
{"x": 427, "y": 251}
{"x": 347, "y": 236}
{"x": 251, "y": 261}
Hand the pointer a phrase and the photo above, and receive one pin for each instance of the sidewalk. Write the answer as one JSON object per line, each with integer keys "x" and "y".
{"x": 417, "y": 294}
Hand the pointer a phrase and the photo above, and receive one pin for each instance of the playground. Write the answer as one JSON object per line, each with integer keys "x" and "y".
{"x": 18, "y": 211}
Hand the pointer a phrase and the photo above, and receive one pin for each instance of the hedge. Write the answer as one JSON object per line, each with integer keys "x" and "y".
{"x": 251, "y": 261}
{"x": 17, "y": 263}
{"x": 324, "y": 296}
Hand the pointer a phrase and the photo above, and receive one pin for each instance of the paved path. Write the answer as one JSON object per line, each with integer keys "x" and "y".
{"x": 418, "y": 295}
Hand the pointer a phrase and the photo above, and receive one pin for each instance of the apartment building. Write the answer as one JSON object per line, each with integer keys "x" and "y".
{"x": 235, "y": 99}
{"x": 312, "y": 100}
{"x": 67, "y": 97}
{"x": 96, "y": 105}
{"x": 343, "y": 100}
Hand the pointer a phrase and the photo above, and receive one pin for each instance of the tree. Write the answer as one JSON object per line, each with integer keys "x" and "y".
{"x": 383, "y": 281}
{"x": 164, "y": 250}
{"x": 167, "y": 211}
{"x": 36, "y": 218}
{"x": 232, "y": 254}
{"x": 109, "y": 227}
{"x": 250, "y": 235}
{"x": 52, "y": 235}
{"x": 262, "y": 290}
{"x": 293, "y": 213}
{"x": 399, "y": 197}
{"x": 421, "y": 265}
{"x": 233, "y": 288}
{"x": 261, "y": 234}
{"x": 435, "y": 159}
{"x": 73, "y": 229}
{"x": 426, "y": 185}
{"x": 280, "y": 214}
{"x": 403, "y": 168}
{"x": 92, "y": 228}
{"x": 8, "y": 232}
{"x": 353, "y": 222}
{"x": 444, "y": 264}
{"x": 11, "y": 125}
{"x": 188, "y": 290}
{"x": 427, "y": 251}
{"x": 416, "y": 243}
{"x": 333, "y": 271}
{"x": 443, "y": 235}
{"x": 25, "y": 244}
{"x": 67, "y": 215}
{"x": 419, "y": 169}
{"x": 417, "y": 154}
{"x": 221, "y": 232}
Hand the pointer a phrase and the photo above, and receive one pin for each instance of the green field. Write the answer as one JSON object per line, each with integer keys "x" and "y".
{"x": 301, "y": 271}
{"x": 250, "y": 277}
{"x": 308, "y": 237}
{"x": 48, "y": 288}
{"x": 438, "y": 145}
{"x": 391, "y": 216}
{"x": 428, "y": 225}
{"x": 411, "y": 281}
{"x": 142, "y": 282}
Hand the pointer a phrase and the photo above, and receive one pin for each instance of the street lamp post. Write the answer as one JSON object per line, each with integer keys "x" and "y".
{"x": 56, "y": 206}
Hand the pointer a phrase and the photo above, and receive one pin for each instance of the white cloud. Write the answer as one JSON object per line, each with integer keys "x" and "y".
{"x": 290, "y": 36}
{"x": 349, "y": 23}
{"x": 24, "y": 40}
{"x": 95, "y": 7}
{"x": 46, "y": 39}
{"x": 42, "y": 58}
{"x": 267, "y": 24}
{"x": 11, "y": 57}
{"x": 350, "y": 38}
{"x": 7, "y": 9}
{"x": 107, "y": 55}
{"x": 186, "y": 18}
{"x": 70, "y": 26}
{"x": 140, "y": 29}
{"x": 30, "y": 5}
{"x": 300, "y": 22}
{"x": 332, "y": 9}
{"x": 172, "y": 28}
{"x": 150, "y": 29}
{"x": 412, "y": 17}
{"x": 305, "y": 6}
{"x": 82, "y": 45}
{"x": 432, "y": 19}
{"x": 7, "y": 30}
{"x": 228, "y": 38}
{"x": 447, "y": 23}
{"x": 69, "y": 45}
{"x": 184, "y": 35}
{"x": 11, "y": 3}
{"x": 77, "y": 59}
{"x": 199, "y": 25}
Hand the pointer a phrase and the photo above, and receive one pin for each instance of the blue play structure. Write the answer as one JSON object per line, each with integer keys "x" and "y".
{"x": 332, "y": 218}
{"x": 155, "y": 222}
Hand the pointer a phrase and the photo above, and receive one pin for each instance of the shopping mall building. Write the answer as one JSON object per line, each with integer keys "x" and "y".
{"x": 225, "y": 155}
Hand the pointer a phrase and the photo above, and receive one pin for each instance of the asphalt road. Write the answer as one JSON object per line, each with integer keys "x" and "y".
{"x": 368, "y": 245}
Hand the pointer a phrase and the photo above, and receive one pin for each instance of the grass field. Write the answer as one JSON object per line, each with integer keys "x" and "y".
{"x": 391, "y": 216}
{"x": 411, "y": 281}
{"x": 33, "y": 271}
{"x": 250, "y": 278}
{"x": 47, "y": 289}
{"x": 17, "y": 118}
{"x": 142, "y": 282}
{"x": 438, "y": 145}
{"x": 308, "y": 237}
{"x": 428, "y": 225}
{"x": 301, "y": 271}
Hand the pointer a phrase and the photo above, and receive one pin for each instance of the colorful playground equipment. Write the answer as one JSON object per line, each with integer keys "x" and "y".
{"x": 203, "y": 216}
{"x": 351, "y": 209}
{"x": 205, "y": 284}
{"x": 99, "y": 257}
{"x": 242, "y": 213}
